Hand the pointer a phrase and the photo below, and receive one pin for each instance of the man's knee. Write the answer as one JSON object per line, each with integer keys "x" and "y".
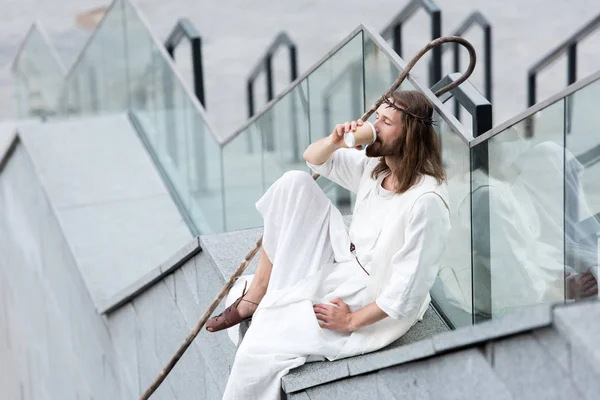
{"x": 296, "y": 179}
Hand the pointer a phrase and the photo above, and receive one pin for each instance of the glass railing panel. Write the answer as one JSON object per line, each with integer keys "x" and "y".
{"x": 582, "y": 192}
{"x": 174, "y": 125}
{"x": 285, "y": 134}
{"x": 243, "y": 178}
{"x": 452, "y": 288}
{"x": 85, "y": 94}
{"x": 97, "y": 82}
{"x": 380, "y": 73}
{"x": 274, "y": 142}
{"x": 107, "y": 52}
{"x": 205, "y": 177}
{"x": 38, "y": 75}
{"x": 336, "y": 95}
{"x": 518, "y": 216}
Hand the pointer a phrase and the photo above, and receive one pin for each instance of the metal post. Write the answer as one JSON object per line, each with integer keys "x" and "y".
{"x": 436, "y": 32}
{"x": 294, "y": 105}
{"x": 199, "y": 130}
{"x": 269, "y": 135}
{"x": 397, "y": 39}
{"x": 487, "y": 48}
{"x": 269, "y": 72}
{"x": 171, "y": 50}
{"x": 456, "y": 48}
{"x": 250, "y": 98}
{"x": 531, "y": 88}
{"x": 196, "y": 44}
{"x": 481, "y": 239}
{"x": 571, "y": 78}
{"x": 293, "y": 64}
{"x": 572, "y": 63}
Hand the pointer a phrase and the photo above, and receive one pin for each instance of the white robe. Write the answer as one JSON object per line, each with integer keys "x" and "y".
{"x": 399, "y": 241}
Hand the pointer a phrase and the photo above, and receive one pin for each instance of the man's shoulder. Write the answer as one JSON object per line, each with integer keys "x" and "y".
{"x": 428, "y": 183}
{"x": 428, "y": 190}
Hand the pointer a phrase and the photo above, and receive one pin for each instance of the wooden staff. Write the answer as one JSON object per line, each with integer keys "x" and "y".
{"x": 240, "y": 270}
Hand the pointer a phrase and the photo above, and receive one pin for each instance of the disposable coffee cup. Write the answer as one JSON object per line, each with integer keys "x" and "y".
{"x": 364, "y": 134}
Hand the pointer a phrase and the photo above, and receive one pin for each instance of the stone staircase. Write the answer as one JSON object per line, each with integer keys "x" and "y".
{"x": 178, "y": 300}
{"x": 429, "y": 362}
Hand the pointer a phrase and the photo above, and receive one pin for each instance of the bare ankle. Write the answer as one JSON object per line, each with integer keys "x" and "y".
{"x": 256, "y": 292}
{"x": 246, "y": 308}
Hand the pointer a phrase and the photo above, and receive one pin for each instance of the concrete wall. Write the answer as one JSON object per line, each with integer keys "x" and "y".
{"x": 149, "y": 329}
{"x": 53, "y": 343}
{"x": 114, "y": 209}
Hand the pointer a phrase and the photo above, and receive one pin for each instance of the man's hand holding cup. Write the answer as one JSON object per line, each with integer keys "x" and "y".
{"x": 353, "y": 134}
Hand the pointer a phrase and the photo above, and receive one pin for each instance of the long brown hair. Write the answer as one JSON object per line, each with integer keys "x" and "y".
{"x": 418, "y": 152}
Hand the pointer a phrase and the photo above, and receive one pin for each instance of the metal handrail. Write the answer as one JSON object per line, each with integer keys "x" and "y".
{"x": 569, "y": 46}
{"x": 394, "y": 59}
{"x": 471, "y": 99}
{"x": 266, "y": 63}
{"x": 394, "y": 31}
{"x": 569, "y": 90}
{"x": 476, "y": 18}
{"x": 186, "y": 29}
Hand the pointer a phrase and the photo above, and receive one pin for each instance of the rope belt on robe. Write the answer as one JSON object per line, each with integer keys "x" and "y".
{"x": 240, "y": 270}
{"x": 353, "y": 251}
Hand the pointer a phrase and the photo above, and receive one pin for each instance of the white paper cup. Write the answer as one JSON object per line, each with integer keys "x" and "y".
{"x": 364, "y": 134}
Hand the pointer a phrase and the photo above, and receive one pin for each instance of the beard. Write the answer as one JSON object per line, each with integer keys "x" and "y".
{"x": 381, "y": 149}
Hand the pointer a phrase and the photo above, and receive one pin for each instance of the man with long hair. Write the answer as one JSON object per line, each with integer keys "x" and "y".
{"x": 322, "y": 292}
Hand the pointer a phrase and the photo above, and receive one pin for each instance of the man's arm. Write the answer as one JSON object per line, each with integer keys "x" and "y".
{"x": 339, "y": 318}
{"x": 331, "y": 158}
{"x": 320, "y": 151}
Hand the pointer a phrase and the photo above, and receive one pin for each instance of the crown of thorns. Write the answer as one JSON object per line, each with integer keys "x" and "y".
{"x": 426, "y": 120}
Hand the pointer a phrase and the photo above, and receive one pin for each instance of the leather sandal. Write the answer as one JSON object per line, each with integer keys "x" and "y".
{"x": 230, "y": 317}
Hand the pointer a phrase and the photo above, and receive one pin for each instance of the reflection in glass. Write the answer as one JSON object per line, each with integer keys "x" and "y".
{"x": 517, "y": 210}
{"x": 452, "y": 289}
{"x": 582, "y": 207}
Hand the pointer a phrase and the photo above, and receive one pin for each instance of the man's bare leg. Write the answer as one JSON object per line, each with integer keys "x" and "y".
{"x": 258, "y": 287}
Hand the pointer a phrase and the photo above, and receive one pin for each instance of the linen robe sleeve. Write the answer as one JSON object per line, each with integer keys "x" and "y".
{"x": 415, "y": 265}
{"x": 345, "y": 167}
